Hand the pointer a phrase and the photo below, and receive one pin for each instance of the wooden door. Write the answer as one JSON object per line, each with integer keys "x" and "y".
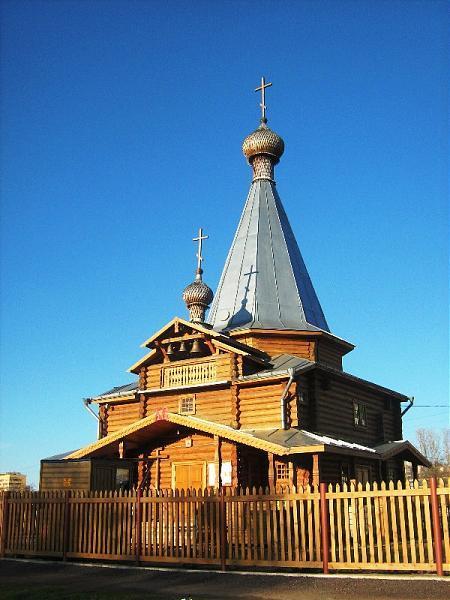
{"x": 189, "y": 476}
{"x": 362, "y": 474}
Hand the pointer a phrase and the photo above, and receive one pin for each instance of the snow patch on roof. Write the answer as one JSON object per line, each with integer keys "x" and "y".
{"x": 324, "y": 439}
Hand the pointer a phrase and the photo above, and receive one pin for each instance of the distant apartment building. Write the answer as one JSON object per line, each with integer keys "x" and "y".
{"x": 15, "y": 482}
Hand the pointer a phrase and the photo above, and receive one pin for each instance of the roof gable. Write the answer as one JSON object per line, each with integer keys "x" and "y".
{"x": 179, "y": 330}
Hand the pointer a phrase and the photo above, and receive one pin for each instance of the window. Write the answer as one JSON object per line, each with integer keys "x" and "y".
{"x": 392, "y": 474}
{"x": 362, "y": 474}
{"x": 303, "y": 396}
{"x": 122, "y": 478}
{"x": 187, "y": 405}
{"x": 359, "y": 414}
{"x": 387, "y": 403}
{"x": 345, "y": 473}
{"x": 282, "y": 470}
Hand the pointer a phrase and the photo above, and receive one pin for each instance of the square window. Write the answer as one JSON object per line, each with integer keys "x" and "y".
{"x": 282, "y": 470}
{"x": 122, "y": 478}
{"x": 359, "y": 414}
{"x": 187, "y": 405}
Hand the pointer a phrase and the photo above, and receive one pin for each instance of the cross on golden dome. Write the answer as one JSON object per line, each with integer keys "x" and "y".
{"x": 262, "y": 89}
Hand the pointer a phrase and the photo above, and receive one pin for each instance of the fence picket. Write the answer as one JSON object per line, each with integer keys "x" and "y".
{"x": 401, "y": 518}
{"x": 394, "y": 523}
{"x": 371, "y": 527}
{"x": 445, "y": 511}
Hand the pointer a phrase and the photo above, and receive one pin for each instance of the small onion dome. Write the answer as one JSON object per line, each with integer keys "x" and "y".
{"x": 197, "y": 292}
{"x": 263, "y": 141}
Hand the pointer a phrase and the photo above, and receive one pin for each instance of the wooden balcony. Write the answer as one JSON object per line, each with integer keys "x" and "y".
{"x": 188, "y": 374}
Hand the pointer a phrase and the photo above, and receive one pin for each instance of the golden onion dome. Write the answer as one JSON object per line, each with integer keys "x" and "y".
{"x": 197, "y": 292}
{"x": 263, "y": 141}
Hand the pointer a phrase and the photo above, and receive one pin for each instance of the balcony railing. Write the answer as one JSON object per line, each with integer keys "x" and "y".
{"x": 188, "y": 374}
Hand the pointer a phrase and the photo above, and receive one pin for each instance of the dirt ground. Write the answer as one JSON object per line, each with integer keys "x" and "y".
{"x": 51, "y": 581}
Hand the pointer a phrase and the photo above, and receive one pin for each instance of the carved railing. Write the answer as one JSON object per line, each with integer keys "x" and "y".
{"x": 191, "y": 374}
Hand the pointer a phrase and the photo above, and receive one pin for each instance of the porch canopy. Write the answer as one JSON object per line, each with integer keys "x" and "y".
{"x": 404, "y": 450}
{"x": 281, "y": 442}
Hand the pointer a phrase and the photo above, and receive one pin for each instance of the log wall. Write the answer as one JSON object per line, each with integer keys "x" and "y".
{"x": 334, "y": 412}
{"x": 281, "y": 344}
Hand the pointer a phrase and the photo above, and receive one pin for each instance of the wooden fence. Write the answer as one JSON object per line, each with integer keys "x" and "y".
{"x": 335, "y": 527}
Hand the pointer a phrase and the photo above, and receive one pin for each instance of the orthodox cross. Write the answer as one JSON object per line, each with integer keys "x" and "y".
{"x": 199, "y": 256}
{"x": 247, "y": 287}
{"x": 250, "y": 273}
{"x": 262, "y": 88}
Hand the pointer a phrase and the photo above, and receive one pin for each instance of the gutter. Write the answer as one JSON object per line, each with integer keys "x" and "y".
{"x": 291, "y": 373}
{"x": 87, "y": 402}
{"x": 116, "y": 395}
{"x": 410, "y": 405}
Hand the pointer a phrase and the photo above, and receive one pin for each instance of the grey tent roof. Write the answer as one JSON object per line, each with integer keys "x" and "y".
{"x": 265, "y": 283}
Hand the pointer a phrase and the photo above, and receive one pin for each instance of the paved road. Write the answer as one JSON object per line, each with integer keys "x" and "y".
{"x": 20, "y": 579}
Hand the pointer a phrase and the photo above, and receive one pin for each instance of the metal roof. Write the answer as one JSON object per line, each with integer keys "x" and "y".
{"x": 265, "y": 283}
{"x": 293, "y": 437}
{"x": 279, "y": 365}
{"x": 391, "y": 449}
{"x": 120, "y": 390}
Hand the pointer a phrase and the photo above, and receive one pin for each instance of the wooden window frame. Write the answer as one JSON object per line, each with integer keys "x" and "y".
{"x": 188, "y": 397}
{"x": 280, "y": 467}
{"x": 357, "y": 417}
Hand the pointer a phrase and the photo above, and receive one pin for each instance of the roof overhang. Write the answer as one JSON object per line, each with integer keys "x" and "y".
{"x": 362, "y": 382}
{"x": 161, "y": 422}
{"x": 220, "y": 340}
{"x": 402, "y": 449}
{"x": 347, "y": 346}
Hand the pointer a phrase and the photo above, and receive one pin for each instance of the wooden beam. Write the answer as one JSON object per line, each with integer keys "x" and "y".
{"x": 122, "y": 449}
{"x": 315, "y": 469}
{"x": 218, "y": 459}
{"x": 235, "y": 412}
{"x": 292, "y": 474}
{"x": 210, "y": 345}
{"x": 182, "y": 338}
{"x": 162, "y": 350}
{"x": 271, "y": 471}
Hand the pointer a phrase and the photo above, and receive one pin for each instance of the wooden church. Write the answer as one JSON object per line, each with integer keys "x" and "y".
{"x": 255, "y": 394}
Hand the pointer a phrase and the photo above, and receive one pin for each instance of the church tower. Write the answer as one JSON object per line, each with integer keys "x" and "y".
{"x": 254, "y": 396}
{"x": 265, "y": 283}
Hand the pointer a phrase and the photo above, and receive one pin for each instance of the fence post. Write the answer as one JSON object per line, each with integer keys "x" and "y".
{"x": 66, "y": 524}
{"x": 437, "y": 534}
{"x": 4, "y": 524}
{"x": 324, "y": 525}
{"x": 137, "y": 524}
{"x": 223, "y": 530}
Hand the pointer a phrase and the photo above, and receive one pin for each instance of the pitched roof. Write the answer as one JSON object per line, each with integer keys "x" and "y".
{"x": 157, "y": 424}
{"x": 265, "y": 283}
{"x": 280, "y": 364}
{"x": 391, "y": 449}
{"x": 221, "y": 340}
{"x": 120, "y": 390}
{"x": 282, "y": 442}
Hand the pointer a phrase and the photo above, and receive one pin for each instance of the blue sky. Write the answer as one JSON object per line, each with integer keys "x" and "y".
{"x": 121, "y": 125}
